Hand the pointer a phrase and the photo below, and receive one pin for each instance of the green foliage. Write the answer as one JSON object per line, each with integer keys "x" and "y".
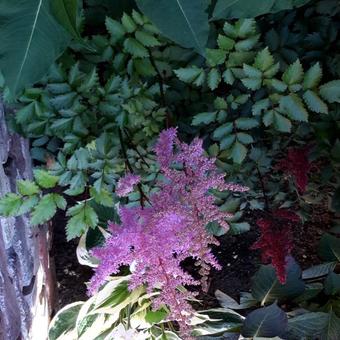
{"x": 185, "y": 24}
{"x": 239, "y": 9}
{"x": 29, "y": 33}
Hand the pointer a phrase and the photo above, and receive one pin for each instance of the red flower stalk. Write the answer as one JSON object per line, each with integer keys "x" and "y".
{"x": 298, "y": 166}
{"x": 275, "y": 241}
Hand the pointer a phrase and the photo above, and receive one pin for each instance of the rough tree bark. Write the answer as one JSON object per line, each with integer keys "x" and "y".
{"x": 26, "y": 293}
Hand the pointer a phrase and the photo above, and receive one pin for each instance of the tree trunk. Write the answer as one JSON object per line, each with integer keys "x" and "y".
{"x": 26, "y": 293}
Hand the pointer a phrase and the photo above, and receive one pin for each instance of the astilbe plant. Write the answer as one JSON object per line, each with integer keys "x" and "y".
{"x": 155, "y": 239}
{"x": 275, "y": 241}
{"x": 298, "y": 166}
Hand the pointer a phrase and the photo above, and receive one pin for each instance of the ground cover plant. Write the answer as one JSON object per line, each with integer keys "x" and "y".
{"x": 158, "y": 128}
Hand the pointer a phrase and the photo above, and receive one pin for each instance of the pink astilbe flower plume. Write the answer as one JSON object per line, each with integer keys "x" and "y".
{"x": 158, "y": 237}
{"x": 126, "y": 183}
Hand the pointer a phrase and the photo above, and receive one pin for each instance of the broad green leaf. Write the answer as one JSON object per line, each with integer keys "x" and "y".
{"x": 213, "y": 79}
{"x": 293, "y": 106}
{"x": 228, "y": 302}
{"x": 331, "y": 91}
{"x": 26, "y": 187}
{"x": 153, "y": 317}
{"x": 260, "y": 105}
{"x": 179, "y": 20}
{"x": 44, "y": 179}
{"x": 266, "y": 288}
{"x": 266, "y": 322}
{"x": 332, "y": 284}
{"x": 227, "y": 9}
{"x": 64, "y": 321}
{"x": 314, "y": 102}
{"x": 10, "y": 204}
{"x": 82, "y": 216}
{"x": 318, "y": 270}
{"x": 312, "y": 77}
{"x": 31, "y": 40}
{"x": 191, "y": 74}
{"x": 204, "y": 118}
{"x": 307, "y": 325}
{"x": 238, "y": 152}
{"x": 66, "y": 12}
{"x": 311, "y": 291}
{"x": 293, "y": 74}
{"x": 329, "y": 248}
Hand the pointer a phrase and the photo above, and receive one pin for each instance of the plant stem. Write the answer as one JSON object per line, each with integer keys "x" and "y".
{"x": 266, "y": 202}
{"x": 143, "y": 197}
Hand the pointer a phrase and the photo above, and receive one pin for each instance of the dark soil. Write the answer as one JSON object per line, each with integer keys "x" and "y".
{"x": 71, "y": 276}
{"x": 239, "y": 262}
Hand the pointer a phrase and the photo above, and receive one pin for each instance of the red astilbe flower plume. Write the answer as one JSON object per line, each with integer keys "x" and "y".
{"x": 298, "y": 166}
{"x": 275, "y": 241}
{"x": 158, "y": 237}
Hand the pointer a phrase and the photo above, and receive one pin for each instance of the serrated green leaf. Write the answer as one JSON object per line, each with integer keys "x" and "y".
{"x": 276, "y": 84}
{"x": 268, "y": 118}
{"x": 252, "y": 83}
{"x": 293, "y": 74}
{"x": 26, "y": 187}
{"x": 222, "y": 131}
{"x": 312, "y": 77}
{"x": 10, "y": 204}
{"x": 28, "y": 204}
{"x": 191, "y": 74}
{"x": 331, "y": 91}
{"x": 225, "y": 43}
{"x": 244, "y": 138}
{"x": 260, "y": 105}
{"x": 228, "y": 77}
{"x": 213, "y": 79}
{"x": 244, "y": 123}
{"x": 314, "y": 102}
{"x": 44, "y": 179}
{"x": 215, "y": 56}
{"x": 246, "y": 44}
{"x": 204, "y": 118}
{"x": 264, "y": 60}
{"x": 90, "y": 81}
{"x": 115, "y": 28}
{"x": 128, "y": 23}
{"x": 238, "y": 152}
{"x": 46, "y": 208}
{"x": 147, "y": 39}
{"x": 252, "y": 72}
{"x": 103, "y": 197}
{"x": 227, "y": 141}
{"x": 82, "y": 216}
{"x": 220, "y": 103}
{"x": 281, "y": 123}
{"x": 293, "y": 106}
{"x": 135, "y": 48}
